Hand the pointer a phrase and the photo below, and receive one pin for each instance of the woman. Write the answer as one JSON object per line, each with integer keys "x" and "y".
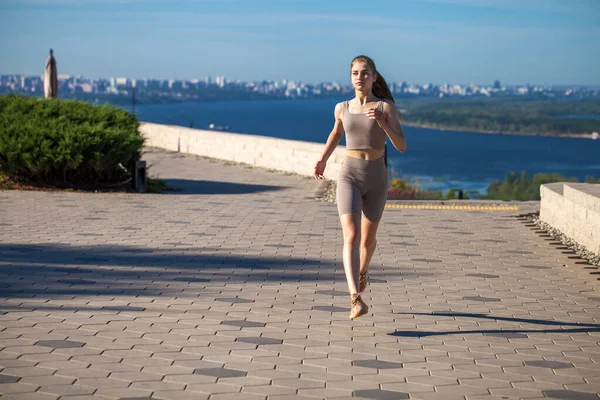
{"x": 363, "y": 181}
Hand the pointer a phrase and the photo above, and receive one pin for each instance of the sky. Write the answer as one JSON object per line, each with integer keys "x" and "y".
{"x": 417, "y": 41}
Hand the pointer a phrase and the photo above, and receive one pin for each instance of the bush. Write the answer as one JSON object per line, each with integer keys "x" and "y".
{"x": 404, "y": 189}
{"x": 524, "y": 187}
{"x": 68, "y": 142}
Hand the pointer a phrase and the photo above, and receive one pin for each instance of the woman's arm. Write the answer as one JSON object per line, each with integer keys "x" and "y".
{"x": 334, "y": 139}
{"x": 390, "y": 123}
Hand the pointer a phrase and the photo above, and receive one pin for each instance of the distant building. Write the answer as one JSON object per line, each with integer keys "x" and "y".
{"x": 220, "y": 81}
{"x": 122, "y": 82}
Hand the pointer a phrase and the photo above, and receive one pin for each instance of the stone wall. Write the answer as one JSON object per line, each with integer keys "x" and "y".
{"x": 573, "y": 209}
{"x": 260, "y": 151}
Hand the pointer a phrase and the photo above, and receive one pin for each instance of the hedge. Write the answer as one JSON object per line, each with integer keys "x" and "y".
{"x": 66, "y": 141}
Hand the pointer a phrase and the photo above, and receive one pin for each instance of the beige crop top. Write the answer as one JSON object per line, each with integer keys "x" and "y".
{"x": 362, "y": 133}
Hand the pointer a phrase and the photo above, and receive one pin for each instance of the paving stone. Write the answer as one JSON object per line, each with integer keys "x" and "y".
{"x": 104, "y": 383}
{"x": 215, "y": 388}
{"x": 67, "y": 390}
{"x": 549, "y": 364}
{"x": 195, "y": 280}
{"x": 74, "y": 270}
{"x": 8, "y": 379}
{"x": 59, "y": 344}
{"x": 236, "y": 396}
{"x": 330, "y": 309}
{"x": 405, "y": 387}
{"x": 34, "y": 396}
{"x": 17, "y": 387}
{"x": 508, "y": 335}
{"x": 220, "y": 372}
{"x": 569, "y": 394}
{"x": 244, "y": 324}
{"x": 377, "y": 364}
{"x": 332, "y": 293}
{"x": 76, "y": 282}
{"x": 324, "y": 393}
{"x": 123, "y": 393}
{"x": 28, "y": 371}
{"x": 298, "y": 383}
{"x": 47, "y": 380}
{"x": 380, "y": 394}
{"x": 158, "y": 385}
{"x": 481, "y": 298}
{"x": 259, "y": 340}
{"x": 82, "y": 373}
{"x": 136, "y": 398}
{"x": 486, "y": 276}
{"x": 180, "y": 395}
{"x": 233, "y": 300}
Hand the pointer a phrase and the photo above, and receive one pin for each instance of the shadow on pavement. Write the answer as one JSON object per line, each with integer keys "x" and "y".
{"x": 508, "y": 333}
{"x": 59, "y": 270}
{"x": 187, "y": 186}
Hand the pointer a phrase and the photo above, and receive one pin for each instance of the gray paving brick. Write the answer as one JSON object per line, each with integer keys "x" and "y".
{"x": 244, "y": 324}
{"x": 67, "y": 390}
{"x": 47, "y": 380}
{"x": 17, "y": 387}
{"x": 8, "y": 379}
{"x": 215, "y": 388}
{"x": 549, "y": 364}
{"x": 28, "y": 371}
{"x": 33, "y": 396}
{"x": 377, "y": 364}
{"x": 380, "y": 394}
{"x": 260, "y": 340}
{"x": 220, "y": 372}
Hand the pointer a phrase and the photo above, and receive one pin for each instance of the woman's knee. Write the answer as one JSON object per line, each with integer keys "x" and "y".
{"x": 352, "y": 237}
{"x": 351, "y": 234}
{"x": 368, "y": 241}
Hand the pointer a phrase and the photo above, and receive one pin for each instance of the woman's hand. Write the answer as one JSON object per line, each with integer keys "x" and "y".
{"x": 376, "y": 114}
{"x": 320, "y": 169}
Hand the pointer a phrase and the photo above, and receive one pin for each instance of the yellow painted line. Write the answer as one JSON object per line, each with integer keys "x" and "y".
{"x": 450, "y": 207}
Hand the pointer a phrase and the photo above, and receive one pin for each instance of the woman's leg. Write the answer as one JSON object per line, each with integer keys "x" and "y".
{"x": 351, "y": 251}
{"x": 373, "y": 205}
{"x": 351, "y": 258}
{"x": 349, "y": 202}
{"x": 368, "y": 243}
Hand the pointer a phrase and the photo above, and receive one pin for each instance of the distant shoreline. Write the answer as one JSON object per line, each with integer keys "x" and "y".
{"x": 456, "y": 129}
{"x": 124, "y": 102}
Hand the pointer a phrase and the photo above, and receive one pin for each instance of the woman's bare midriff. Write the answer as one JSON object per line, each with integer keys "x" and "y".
{"x": 371, "y": 154}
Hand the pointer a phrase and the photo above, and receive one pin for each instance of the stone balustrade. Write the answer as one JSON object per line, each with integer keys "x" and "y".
{"x": 259, "y": 151}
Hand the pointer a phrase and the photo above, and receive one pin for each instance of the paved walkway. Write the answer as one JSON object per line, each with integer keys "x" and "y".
{"x": 233, "y": 289}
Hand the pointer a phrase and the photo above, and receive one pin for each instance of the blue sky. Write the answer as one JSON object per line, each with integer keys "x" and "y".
{"x": 455, "y": 41}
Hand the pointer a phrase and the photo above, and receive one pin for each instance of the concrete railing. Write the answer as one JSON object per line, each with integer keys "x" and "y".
{"x": 573, "y": 209}
{"x": 260, "y": 151}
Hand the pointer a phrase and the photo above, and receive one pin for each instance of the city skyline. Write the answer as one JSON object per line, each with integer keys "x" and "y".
{"x": 189, "y": 90}
{"x": 459, "y": 41}
{"x": 131, "y": 81}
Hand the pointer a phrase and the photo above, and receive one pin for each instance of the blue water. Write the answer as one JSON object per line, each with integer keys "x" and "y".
{"x": 578, "y": 116}
{"x": 437, "y": 159}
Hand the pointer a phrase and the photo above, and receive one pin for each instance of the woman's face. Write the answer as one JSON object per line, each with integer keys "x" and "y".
{"x": 362, "y": 76}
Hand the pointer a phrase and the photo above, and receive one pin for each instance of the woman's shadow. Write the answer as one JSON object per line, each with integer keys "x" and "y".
{"x": 510, "y": 333}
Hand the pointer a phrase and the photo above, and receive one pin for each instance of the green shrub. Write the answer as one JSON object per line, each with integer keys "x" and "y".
{"x": 523, "y": 187}
{"x": 66, "y": 141}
